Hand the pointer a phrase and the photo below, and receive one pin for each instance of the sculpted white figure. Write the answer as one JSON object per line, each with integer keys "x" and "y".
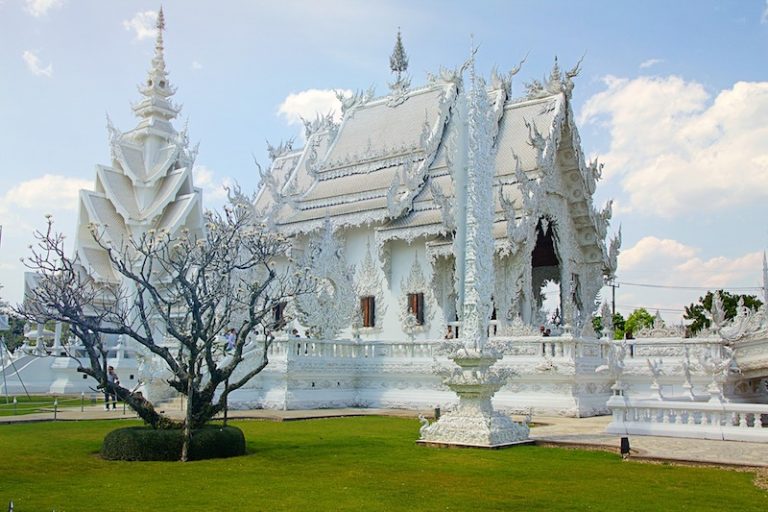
{"x": 332, "y": 307}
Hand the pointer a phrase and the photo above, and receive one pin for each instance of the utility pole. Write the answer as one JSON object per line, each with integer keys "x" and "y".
{"x": 613, "y": 284}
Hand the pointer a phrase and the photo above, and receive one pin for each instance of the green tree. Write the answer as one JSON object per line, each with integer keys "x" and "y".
{"x": 618, "y": 326}
{"x": 637, "y": 320}
{"x": 597, "y": 325}
{"x": 697, "y": 313}
{"x": 14, "y": 336}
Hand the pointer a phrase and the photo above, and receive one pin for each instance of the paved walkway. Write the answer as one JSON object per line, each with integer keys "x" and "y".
{"x": 577, "y": 432}
{"x": 590, "y": 432}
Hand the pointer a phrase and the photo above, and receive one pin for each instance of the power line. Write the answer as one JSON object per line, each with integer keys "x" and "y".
{"x": 647, "y": 285}
{"x": 667, "y": 310}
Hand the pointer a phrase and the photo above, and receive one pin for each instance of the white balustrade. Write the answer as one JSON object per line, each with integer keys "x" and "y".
{"x": 703, "y": 420}
{"x": 532, "y": 347}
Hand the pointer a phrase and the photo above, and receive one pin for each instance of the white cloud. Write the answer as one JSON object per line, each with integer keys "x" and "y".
{"x": 214, "y": 191}
{"x": 650, "y": 62}
{"x": 676, "y": 150}
{"x": 764, "y": 17}
{"x": 49, "y": 192}
{"x": 651, "y": 248}
{"x": 143, "y": 25}
{"x": 39, "y": 8}
{"x": 309, "y": 104}
{"x": 196, "y": 65}
{"x": 667, "y": 264}
{"x": 23, "y": 208}
{"x": 34, "y": 65}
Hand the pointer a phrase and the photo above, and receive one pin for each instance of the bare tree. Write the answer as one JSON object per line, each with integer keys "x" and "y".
{"x": 184, "y": 287}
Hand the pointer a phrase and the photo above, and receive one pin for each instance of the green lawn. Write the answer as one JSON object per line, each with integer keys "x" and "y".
{"x": 368, "y": 463}
{"x": 39, "y": 403}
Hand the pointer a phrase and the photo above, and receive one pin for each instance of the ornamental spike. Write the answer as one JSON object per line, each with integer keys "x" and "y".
{"x": 765, "y": 282}
{"x": 398, "y": 61}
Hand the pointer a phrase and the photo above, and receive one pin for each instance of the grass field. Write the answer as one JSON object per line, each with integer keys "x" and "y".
{"x": 40, "y": 403}
{"x": 368, "y": 463}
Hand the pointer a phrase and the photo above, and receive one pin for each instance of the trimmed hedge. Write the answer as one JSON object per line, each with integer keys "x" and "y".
{"x": 145, "y": 443}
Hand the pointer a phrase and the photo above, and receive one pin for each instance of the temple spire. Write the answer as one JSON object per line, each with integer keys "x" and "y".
{"x": 398, "y": 61}
{"x": 473, "y": 244}
{"x": 155, "y": 108}
{"x": 157, "y": 77}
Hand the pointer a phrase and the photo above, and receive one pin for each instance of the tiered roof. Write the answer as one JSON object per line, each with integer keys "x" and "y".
{"x": 149, "y": 184}
{"x": 388, "y": 163}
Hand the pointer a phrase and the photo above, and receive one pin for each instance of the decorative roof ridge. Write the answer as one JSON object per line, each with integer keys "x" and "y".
{"x": 557, "y": 81}
{"x": 591, "y": 173}
{"x": 90, "y": 269}
{"x": 88, "y": 192}
{"x": 111, "y": 195}
{"x": 187, "y": 201}
{"x": 325, "y": 202}
{"x": 291, "y": 154}
{"x": 162, "y": 200}
{"x": 524, "y": 101}
{"x": 431, "y": 139}
{"x": 424, "y": 89}
{"x": 344, "y": 220}
{"x": 409, "y": 233}
{"x": 284, "y": 148}
{"x": 368, "y": 164}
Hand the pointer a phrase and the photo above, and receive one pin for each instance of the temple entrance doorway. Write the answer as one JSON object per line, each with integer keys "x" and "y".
{"x": 546, "y": 275}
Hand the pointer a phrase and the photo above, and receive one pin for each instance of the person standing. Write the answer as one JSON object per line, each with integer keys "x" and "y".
{"x": 113, "y": 379}
{"x": 231, "y": 336}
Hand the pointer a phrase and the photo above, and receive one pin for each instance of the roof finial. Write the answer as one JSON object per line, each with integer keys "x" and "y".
{"x": 157, "y": 88}
{"x": 398, "y": 61}
{"x": 158, "y": 63}
{"x": 157, "y": 79}
{"x": 160, "y": 20}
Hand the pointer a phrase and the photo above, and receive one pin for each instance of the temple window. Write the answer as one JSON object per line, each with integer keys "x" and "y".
{"x": 368, "y": 310}
{"x": 416, "y": 306}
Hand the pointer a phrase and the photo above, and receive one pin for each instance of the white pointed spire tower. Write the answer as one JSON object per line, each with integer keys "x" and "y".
{"x": 149, "y": 182}
{"x": 474, "y": 422}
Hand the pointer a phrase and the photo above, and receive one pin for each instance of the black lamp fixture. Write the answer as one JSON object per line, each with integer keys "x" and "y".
{"x": 625, "y": 448}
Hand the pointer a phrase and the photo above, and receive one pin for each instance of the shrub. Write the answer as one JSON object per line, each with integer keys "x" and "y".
{"x": 145, "y": 443}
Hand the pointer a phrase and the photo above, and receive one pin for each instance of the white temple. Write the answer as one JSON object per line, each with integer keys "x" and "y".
{"x": 435, "y": 212}
{"x": 372, "y": 208}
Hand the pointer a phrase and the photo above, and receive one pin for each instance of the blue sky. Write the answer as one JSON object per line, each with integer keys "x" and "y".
{"x": 673, "y": 98}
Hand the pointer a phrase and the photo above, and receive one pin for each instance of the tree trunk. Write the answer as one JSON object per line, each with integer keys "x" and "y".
{"x": 187, "y": 437}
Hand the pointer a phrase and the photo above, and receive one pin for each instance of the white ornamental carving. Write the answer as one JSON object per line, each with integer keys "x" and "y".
{"x": 660, "y": 330}
{"x": 617, "y": 351}
{"x": 415, "y": 283}
{"x": 332, "y": 306}
{"x": 369, "y": 284}
{"x": 747, "y": 324}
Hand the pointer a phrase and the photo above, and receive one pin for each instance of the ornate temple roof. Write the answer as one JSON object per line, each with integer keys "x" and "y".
{"x": 149, "y": 184}
{"x": 388, "y": 163}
